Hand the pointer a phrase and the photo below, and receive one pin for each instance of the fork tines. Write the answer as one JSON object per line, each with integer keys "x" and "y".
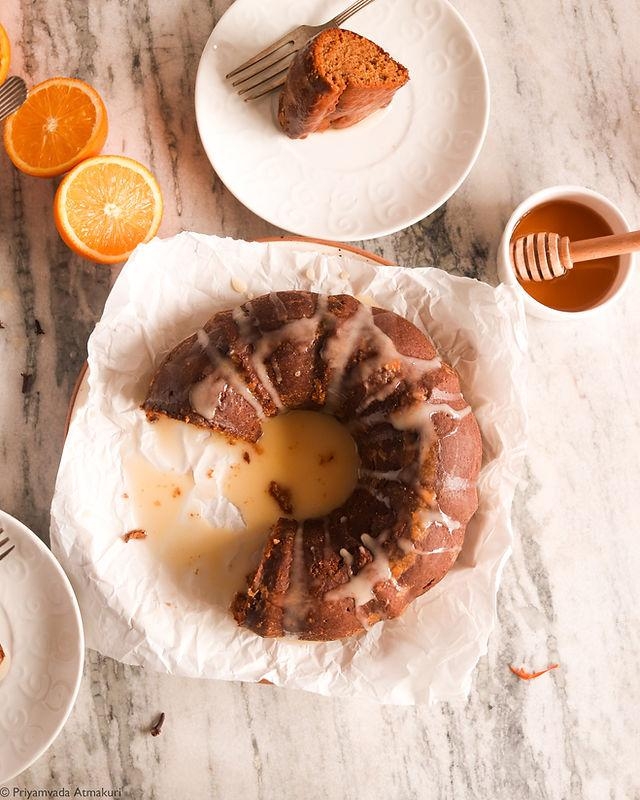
{"x": 13, "y": 93}
{"x": 3, "y": 542}
{"x": 266, "y": 70}
{"x": 278, "y": 49}
{"x": 267, "y": 80}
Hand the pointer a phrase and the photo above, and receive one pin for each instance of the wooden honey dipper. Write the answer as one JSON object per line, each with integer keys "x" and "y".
{"x": 543, "y": 256}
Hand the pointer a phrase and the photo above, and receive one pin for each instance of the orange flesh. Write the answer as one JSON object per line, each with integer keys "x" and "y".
{"x": 53, "y": 126}
{"x": 110, "y": 208}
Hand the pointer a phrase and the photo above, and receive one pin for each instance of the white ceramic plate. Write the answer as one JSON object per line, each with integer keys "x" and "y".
{"x": 41, "y": 631}
{"x": 374, "y": 178}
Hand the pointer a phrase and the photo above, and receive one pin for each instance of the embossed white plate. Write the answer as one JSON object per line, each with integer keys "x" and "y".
{"x": 372, "y": 179}
{"x": 41, "y": 631}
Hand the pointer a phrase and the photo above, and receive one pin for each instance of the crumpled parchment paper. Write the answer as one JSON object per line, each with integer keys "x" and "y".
{"x": 134, "y": 612}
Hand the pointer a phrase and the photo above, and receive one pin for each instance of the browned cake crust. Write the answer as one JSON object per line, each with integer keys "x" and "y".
{"x": 336, "y": 80}
{"x": 419, "y": 446}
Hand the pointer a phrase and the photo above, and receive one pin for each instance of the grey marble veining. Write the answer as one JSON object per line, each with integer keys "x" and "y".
{"x": 565, "y": 80}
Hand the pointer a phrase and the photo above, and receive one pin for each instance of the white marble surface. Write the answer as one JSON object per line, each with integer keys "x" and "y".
{"x": 566, "y": 108}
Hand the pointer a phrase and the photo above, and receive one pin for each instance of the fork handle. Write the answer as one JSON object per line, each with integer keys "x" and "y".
{"x": 348, "y": 12}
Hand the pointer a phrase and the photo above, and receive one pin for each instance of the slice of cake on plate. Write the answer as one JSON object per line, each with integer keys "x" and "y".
{"x": 336, "y": 80}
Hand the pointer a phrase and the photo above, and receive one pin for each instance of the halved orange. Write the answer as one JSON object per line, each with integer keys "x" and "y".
{"x": 5, "y": 55}
{"x": 62, "y": 122}
{"x": 106, "y": 206}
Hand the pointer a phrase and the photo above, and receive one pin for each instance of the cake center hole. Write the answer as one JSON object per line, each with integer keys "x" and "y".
{"x": 304, "y": 465}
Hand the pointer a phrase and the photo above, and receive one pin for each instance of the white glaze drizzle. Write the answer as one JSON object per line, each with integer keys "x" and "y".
{"x": 257, "y": 357}
{"x": 455, "y": 483}
{"x": 379, "y": 396}
{"x": 436, "y": 516}
{"x": 419, "y": 416}
{"x": 278, "y": 304}
{"x": 445, "y": 397}
{"x": 204, "y": 395}
{"x": 360, "y": 587}
{"x": 264, "y": 343}
{"x": 328, "y": 550}
{"x": 346, "y": 557}
{"x": 387, "y": 355}
{"x": 409, "y": 547}
{"x": 378, "y": 496}
{"x": 390, "y": 475}
{"x": 338, "y": 349}
{"x": 296, "y": 601}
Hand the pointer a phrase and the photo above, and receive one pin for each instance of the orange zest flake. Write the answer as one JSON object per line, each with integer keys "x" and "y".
{"x": 138, "y": 533}
{"x": 529, "y": 676}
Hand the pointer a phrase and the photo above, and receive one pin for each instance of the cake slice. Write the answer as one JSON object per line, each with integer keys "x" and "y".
{"x": 336, "y": 80}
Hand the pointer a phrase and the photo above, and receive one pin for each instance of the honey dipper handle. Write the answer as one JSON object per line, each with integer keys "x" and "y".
{"x": 603, "y": 246}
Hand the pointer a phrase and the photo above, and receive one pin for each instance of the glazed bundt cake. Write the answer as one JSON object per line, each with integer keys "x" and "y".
{"x": 336, "y": 80}
{"x": 419, "y": 447}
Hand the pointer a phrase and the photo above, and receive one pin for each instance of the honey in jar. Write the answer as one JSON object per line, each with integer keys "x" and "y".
{"x": 588, "y": 283}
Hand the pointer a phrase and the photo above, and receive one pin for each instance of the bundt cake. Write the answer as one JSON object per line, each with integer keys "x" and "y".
{"x": 418, "y": 443}
{"x": 336, "y": 80}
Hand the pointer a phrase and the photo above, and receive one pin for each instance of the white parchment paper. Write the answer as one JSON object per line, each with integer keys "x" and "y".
{"x": 131, "y": 610}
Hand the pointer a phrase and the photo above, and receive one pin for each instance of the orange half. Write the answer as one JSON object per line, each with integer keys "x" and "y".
{"x": 62, "y": 122}
{"x": 106, "y": 206}
{"x": 5, "y": 55}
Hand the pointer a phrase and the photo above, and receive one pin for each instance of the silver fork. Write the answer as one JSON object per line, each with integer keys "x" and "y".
{"x": 3, "y": 543}
{"x": 267, "y": 70}
{"x": 13, "y": 93}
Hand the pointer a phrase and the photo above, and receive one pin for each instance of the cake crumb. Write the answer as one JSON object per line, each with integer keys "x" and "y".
{"x": 282, "y": 496}
{"x": 125, "y": 496}
{"x": 38, "y": 327}
{"x": 246, "y": 457}
{"x": 326, "y": 458}
{"x": 156, "y": 728}
{"x": 176, "y": 491}
{"x": 137, "y": 533}
{"x": 210, "y": 472}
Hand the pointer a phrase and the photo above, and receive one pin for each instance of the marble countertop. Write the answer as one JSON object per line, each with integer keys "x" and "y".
{"x": 565, "y": 109}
